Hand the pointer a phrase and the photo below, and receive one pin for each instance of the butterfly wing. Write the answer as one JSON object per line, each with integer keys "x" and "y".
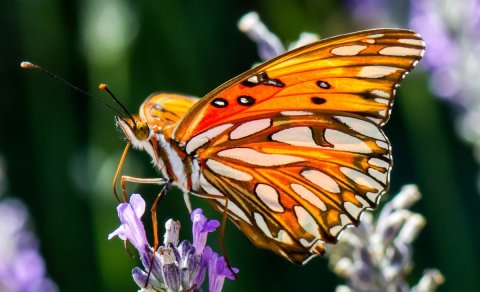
{"x": 297, "y": 180}
{"x": 295, "y": 144}
{"x": 162, "y": 111}
{"x": 355, "y": 73}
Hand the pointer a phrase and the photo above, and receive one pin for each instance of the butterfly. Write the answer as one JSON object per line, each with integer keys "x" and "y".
{"x": 292, "y": 150}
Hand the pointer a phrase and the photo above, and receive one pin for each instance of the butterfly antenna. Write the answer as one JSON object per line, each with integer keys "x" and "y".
{"x": 28, "y": 65}
{"x": 105, "y": 87}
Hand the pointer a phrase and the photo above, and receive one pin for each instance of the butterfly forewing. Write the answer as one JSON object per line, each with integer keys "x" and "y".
{"x": 354, "y": 73}
{"x": 293, "y": 148}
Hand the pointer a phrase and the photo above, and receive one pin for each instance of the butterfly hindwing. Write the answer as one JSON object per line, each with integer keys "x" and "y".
{"x": 293, "y": 182}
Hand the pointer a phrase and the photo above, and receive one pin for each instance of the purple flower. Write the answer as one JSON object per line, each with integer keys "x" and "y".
{"x": 131, "y": 227}
{"x": 369, "y": 12}
{"x": 200, "y": 229}
{"x": 377, "y": 256}
{"x": 22, "y": 268}
{"x": 173, "y": 267}
{"x": 268, "y": 44}
{"x": 218, "y": 271}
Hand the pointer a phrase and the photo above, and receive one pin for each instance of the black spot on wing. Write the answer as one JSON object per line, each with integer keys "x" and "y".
{"x": 219, "y": 102}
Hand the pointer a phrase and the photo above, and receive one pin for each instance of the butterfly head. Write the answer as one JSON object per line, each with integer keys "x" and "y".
{"x": 136, "y": 130}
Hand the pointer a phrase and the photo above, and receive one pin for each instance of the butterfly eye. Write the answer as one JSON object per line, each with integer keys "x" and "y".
{"x": 245, "y": 100}
{"x": 219, "y": 102}
{"x": 141, "y": 131}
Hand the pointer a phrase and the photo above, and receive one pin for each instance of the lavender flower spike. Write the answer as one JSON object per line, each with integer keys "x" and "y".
{"x": 173, "y": 267}
{"x": 218, "y": 271}
{"x": 376, "y": 256}
{"x": 22, "y": 267}
{"x": 268, "y": 44}
{"x": 201, "y": 227}
{"x": 131, "y": 227}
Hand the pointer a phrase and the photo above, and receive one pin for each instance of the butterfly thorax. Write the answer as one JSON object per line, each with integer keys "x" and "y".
{"x": 160, "y": 113}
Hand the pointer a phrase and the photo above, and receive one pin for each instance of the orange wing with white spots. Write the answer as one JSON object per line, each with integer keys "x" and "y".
{"x": 295, "y": 144}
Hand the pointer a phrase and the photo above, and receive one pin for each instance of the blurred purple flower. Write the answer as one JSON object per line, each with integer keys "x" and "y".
{"x": 173, "y": 267}
{"x": 268, "y": 44}
{"x": 22, "y": 268}
{"x": 368, "y": 12}
{"x": 452, "y": 33}
{"x": 377, "y": 255}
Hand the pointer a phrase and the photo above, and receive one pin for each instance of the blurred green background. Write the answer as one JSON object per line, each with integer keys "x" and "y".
{"x": 61, "y": 148}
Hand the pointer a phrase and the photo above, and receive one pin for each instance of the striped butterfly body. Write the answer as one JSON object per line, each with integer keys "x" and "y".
{"x": 292, "y": 148}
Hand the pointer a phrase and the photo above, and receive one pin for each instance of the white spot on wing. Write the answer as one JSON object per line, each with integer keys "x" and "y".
{"x": 202, "y": 138}
{"x": 348, "y": 50}
{"x": 345, "y": 142}
{"x": 412, "y": 42}
{"x": 382, "y": 144}
{"x": 249, "y": 128}
{"x": 380, "y": 176}
{"x": 254, "y": 157}
{"x": 380, "y": 93}
{"x": 335, "y": 230}
{"x": 372, "y": 196}
{"x": 309, "y": 196}
{"x": 227, "y": 171}
{"x": 235, "y": 210}
{"x": 360, "y": 178}
{"x": 376, "y": 71}
{"x": 381, "y": 100}
{"x": 305, "y": 242}
{"x": 284, "y": 237}
{"x": 207, "y": 187}
{"x": 363, "y": 127}
{"x": 345, "y": 220}
{"x": 253, "y": 79}
{"x": 322, "y": 180}
{"x": 364, "y": 203}
{"x": 400, "y": 51}
{"x": 262, "y": 224}
{"x": 269, "y": 196}
{"x": 306, "y": 221}
{"x": 352, "y": 209}
{"x": 374, "y": 36}
{"x": 375, "y": 120}
{"x": 378, "y": 162}
{"x": 296, "y": 136}
{"x": 296, "y": 113}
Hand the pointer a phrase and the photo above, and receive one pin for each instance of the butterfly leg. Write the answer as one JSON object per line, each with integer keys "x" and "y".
{"x": 117, "y": 174}
{"x": 221, "y": 237}
{"x": 153, "y": 211}
{"x": 186, "y": 198}
{"x": 125, "y": 178}
{"x": 139, "y": 180}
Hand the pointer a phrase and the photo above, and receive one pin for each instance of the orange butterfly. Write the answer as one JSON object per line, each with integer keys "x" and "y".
{"x": 293, "y": 148}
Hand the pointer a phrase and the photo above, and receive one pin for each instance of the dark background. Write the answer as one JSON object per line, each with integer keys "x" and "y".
{"x": 61, "y": 148}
